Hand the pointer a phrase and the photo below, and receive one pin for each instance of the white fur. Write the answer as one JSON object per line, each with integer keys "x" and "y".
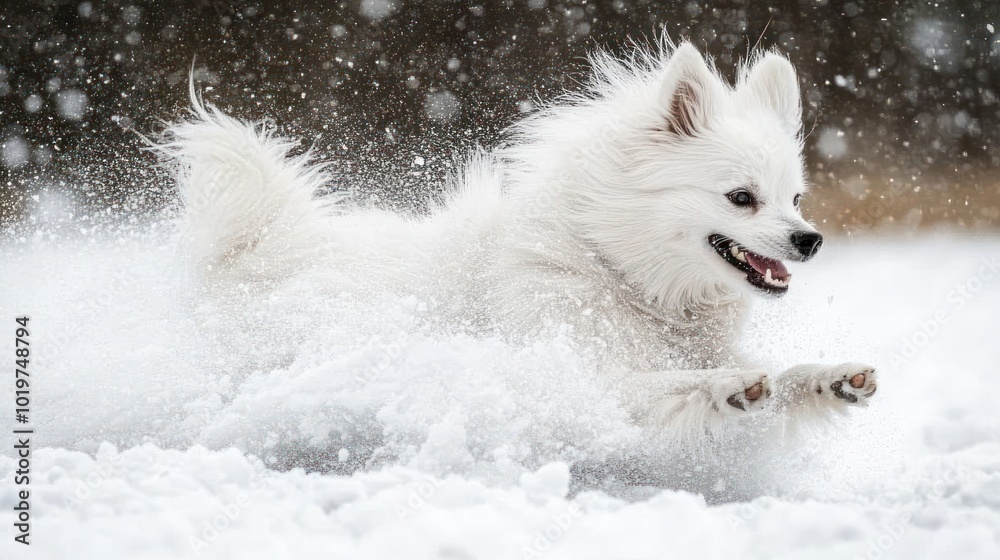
{"x": 593, "y": 215}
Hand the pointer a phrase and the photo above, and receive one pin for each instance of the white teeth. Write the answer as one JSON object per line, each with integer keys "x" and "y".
{"x": 741, "y": 256}
{"x": 774, "y": 281}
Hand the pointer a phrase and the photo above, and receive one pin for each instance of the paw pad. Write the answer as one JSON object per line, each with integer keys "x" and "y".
{"x": 858, "y": 381}
{"x": 838, "y": 389}
{"x": 746, "y": 392}
{"x": 853, "y": 386}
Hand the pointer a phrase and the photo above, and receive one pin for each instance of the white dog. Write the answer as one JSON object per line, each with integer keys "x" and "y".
{"x": 639, "y": 215}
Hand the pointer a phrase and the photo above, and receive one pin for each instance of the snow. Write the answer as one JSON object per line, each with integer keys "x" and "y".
{"x": 338, "y": 31}
{"x": 935, "y": 45}
{"x": 33, "y": 103}
{"x": 15, "y": 151}
{"x": 831, "y": 143}
{"x": 442, "y": 106}
{"x": 72, "y": 104}
{"x": 376, "y": 10}
{"x": 173, "y": 426}
{"x": 132, "y": 15}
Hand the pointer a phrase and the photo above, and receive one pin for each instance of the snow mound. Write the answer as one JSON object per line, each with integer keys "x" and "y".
{"x": 170, "y": 425}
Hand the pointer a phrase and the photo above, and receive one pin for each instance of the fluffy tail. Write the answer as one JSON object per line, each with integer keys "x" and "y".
{"x": 249, "y": 206}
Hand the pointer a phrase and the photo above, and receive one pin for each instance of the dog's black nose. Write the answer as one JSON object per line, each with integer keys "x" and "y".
{"x": 807, "y": 242}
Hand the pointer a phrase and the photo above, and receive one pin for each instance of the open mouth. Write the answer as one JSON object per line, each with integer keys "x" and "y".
{"x": 766, "y": 274}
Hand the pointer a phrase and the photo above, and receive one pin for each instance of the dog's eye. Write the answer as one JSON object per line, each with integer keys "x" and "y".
{"x": 741, "y": 198}
{"x": 797, "y": 200}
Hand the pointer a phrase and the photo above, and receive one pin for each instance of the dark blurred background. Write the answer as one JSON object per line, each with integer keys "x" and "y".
{"x": 900, "y": 97}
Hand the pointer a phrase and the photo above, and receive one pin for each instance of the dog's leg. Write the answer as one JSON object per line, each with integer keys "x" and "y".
{"x": 819, "y": 388}
{"x": 685, "y": 404}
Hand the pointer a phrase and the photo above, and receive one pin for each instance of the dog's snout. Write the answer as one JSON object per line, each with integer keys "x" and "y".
{"x": 807, "y": 242}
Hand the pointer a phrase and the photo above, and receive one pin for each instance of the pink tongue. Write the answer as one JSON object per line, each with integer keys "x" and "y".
{"x": 761, "y": 264}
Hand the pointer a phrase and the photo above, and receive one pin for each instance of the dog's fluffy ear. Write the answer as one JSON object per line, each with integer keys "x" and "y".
{"x": 690, "y": 90}
{"x": 773, "y": 83}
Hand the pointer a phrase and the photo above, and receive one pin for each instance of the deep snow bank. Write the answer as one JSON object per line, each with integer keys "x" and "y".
{"x": 162, "y": 414}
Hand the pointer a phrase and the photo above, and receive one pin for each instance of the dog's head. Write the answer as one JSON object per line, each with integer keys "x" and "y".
{"x": 710, "y": 178}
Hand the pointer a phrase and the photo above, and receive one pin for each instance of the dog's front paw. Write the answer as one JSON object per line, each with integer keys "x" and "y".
{"x": 744, "y": 391}
{"x": 851, "y": 383}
